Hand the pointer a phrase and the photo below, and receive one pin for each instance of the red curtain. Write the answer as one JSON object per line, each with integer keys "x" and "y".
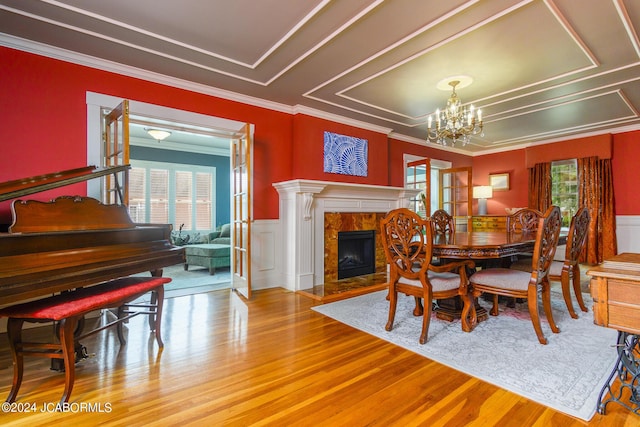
{"x": 596, "y": 193}
{"x": 595, "y": 181}
{"x": 540, "y": 186}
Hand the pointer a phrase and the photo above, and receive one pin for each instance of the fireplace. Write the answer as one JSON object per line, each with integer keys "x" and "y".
{"x": 310, "y": 241}
{"x": 356, "y": 253}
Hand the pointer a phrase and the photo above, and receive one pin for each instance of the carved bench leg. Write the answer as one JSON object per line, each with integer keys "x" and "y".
{"x": 67, "y": 328}
{"x": 14, "y": 333}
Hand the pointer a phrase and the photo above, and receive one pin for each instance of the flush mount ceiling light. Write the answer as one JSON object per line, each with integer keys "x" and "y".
{"x": 456, "y": 122}
{"x": 158, "y": 134}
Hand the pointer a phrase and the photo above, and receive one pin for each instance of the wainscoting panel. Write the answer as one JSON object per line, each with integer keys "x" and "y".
{"x": 266, "y": 248}
{"x": 628, "y": 233}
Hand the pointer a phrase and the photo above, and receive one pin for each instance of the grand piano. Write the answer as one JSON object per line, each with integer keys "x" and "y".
{"x": 74, "y": 241}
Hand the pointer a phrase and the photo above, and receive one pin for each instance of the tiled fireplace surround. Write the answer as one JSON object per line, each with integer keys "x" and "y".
{"x": 311, "y": 215}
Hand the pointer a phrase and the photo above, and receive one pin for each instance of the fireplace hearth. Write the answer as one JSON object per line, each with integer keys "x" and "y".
{"x": 356, "y": 253}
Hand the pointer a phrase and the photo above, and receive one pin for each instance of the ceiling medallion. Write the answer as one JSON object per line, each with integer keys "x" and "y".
{"x": 456, "y": 122}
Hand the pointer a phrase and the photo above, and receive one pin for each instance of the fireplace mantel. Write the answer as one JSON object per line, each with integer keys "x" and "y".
{"x": 302, "y": 207}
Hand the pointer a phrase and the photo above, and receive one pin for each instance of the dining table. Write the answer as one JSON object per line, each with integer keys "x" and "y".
{"x": 482, "y": 245}
{"x": 486, "y": 249}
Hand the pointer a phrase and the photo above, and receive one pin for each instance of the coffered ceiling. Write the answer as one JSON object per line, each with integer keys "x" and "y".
{"x": 542, "y": 70}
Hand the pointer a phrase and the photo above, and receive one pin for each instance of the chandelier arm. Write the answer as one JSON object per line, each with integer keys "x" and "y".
{"x": 455, "y": 122}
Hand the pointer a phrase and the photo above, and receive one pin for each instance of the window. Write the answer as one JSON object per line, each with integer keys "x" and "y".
{"x": 159, "y": 196}
{"x": 564, "y": 188}
{"x": 172, "y": 193}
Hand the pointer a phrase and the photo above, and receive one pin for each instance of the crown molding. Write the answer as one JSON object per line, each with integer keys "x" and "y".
{"x": 301, "y": 109}
{"x": 138, "y": 73}
{"x": 424, "y": 143}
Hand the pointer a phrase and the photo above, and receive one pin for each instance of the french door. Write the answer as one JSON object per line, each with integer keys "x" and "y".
{"x": 242, "y": 171}
{"x": 116, "y": 153}
{"x": 419, "y": 177}
{"x": 455, "y": 193}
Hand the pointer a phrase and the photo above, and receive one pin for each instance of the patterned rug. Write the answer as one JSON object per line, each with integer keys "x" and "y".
{"x": 567, "y": 374}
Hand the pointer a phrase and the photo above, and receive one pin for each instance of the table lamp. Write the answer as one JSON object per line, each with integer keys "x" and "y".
{"x": 482, "y": 193}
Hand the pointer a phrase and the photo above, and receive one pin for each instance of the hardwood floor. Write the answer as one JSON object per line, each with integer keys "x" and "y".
{"x": 271, "y": 361}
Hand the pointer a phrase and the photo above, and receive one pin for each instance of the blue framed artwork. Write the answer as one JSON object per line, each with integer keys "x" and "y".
{"x": 345, "y": 155}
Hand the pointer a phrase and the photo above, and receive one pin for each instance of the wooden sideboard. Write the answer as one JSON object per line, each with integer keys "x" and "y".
{"x": 489, "y": 222}
{"x": 615, "y": 288}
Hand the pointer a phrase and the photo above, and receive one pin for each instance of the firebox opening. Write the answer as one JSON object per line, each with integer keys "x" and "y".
{"x": 356, "y": 253}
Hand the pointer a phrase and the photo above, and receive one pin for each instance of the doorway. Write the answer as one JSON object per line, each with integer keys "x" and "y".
{"x": 426, "y": 179}
{"x": 192, "y": 136}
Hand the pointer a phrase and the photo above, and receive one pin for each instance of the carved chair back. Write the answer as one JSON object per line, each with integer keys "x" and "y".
{"x": 577, "y": 235}
{"x": 547, "y": 238}
{"x": 568, "y": 271}
{"x": 524, "y": 221}
{"x": 407, "y": 241}
{"x": 442, "y": 222}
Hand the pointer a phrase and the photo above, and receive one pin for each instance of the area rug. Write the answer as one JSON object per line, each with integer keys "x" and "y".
{"x": 194, "y": 281}
{"x": 567, "y": 374}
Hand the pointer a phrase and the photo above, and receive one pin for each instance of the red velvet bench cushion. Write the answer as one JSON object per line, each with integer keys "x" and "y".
{"x": 84, "y": 300}
{"x": 67, "y": 308}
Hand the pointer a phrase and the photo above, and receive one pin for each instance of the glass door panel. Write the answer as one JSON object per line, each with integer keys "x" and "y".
{"x": 419, "y": 177}
{"x": 456, "y": 195}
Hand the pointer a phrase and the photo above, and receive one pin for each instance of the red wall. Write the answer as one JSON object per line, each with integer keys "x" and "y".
{"x": 626, "y": 172}
{"x": 511, "y": 162}
{"x": 624, "y": 160}
{"x": 308, "y": 151}
{"x": 43, "y": 129}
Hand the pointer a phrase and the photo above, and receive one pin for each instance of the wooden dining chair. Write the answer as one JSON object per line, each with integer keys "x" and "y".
{"x": 408, "y": 243}
{"x": 523, "y": 221}
{"x": 442, "y": 222}
{"x": 444, "y": 227}
{"x": 568, "y": 271}
{"x": 521, "y": 284}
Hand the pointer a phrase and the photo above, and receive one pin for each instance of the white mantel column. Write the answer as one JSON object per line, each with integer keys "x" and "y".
{"x": 297, "y": 222}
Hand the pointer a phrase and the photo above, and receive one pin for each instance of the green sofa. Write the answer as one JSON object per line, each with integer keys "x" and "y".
{"x": 221, "y": 237}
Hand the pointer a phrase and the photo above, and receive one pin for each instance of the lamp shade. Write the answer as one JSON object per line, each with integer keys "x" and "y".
{"x": 483, "y": 192}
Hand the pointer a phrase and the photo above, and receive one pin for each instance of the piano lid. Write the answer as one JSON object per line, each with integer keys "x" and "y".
{"x": 35, "y": 184}
{"x": 67, "y": 213}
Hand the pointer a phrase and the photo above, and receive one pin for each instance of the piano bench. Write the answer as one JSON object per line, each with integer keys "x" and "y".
{"x": 68, "y": 308}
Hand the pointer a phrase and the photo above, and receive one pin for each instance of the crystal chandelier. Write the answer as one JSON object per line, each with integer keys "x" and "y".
{"x": 454, "y": 123}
